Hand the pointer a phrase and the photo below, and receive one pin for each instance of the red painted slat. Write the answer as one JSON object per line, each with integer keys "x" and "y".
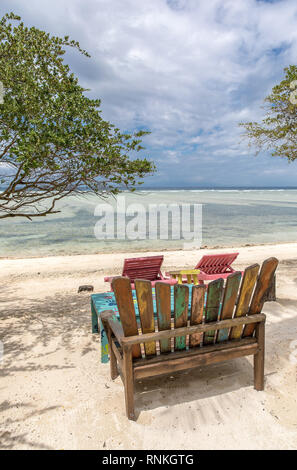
{"x": 146, "y": 268}
{"x": 216, "y": 264}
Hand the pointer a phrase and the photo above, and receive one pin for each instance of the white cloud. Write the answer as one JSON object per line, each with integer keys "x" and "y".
{"x": 187, "y": 70}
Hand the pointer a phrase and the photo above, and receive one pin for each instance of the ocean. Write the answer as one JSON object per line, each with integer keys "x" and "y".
{"x": 230, "y": 217}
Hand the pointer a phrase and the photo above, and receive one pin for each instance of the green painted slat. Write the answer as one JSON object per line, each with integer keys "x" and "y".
{"x": 181, "y": 302}
{"x": 163, "y": 302}
{"x": 214, "y": 294}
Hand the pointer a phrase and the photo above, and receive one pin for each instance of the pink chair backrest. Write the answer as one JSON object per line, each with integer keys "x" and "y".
{"x": 216, "y": 264}
{"x": 147, "y": 267}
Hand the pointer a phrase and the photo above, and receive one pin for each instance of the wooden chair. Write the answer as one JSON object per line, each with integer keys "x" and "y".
{"x": 216, "y": 266}
{"x": 238, "y": 332}
{"x": 146, "y": 267}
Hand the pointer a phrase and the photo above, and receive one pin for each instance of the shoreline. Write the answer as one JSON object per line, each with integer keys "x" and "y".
{"x": 67, "y": 272}
{"x": 139, "y": 251}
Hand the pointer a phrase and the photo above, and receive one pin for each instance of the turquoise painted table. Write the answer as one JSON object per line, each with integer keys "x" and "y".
{"x": 106, "y": 301}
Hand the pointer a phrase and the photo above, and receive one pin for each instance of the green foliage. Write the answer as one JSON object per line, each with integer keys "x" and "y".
{"x": 278, "y": 130}
{"x": 52, "y": 137}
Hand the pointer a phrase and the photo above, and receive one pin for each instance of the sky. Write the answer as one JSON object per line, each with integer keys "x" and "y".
{"x": 186, "y": 70}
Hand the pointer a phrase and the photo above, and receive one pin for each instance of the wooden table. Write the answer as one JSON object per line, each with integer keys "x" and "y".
{"x": 190, "y": 274}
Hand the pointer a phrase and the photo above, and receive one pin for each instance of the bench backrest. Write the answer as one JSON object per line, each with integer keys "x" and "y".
{"x": 216, "y": 264}
{"x": 240, "y": 297}
{"x": 147, "y": 267}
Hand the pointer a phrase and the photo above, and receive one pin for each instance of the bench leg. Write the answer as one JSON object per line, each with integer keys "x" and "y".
{"x": 259, "y": 357}
{"x": 113, "y": 360}
{"x": 129, "y": 383}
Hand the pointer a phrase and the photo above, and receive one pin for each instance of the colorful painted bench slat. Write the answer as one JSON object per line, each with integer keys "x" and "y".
{"x": 163, "y": 301}
{"x": 246, "y": 290}
{"x": 197, "y": 309}
{"x": 267, "y": 274}
{"x": 146, "y": 311}
{"x": 181, "y": 302}
{"x": 214, "y": 295}
{"x": 229, "y": 300}
{"x": 159, "y": 356}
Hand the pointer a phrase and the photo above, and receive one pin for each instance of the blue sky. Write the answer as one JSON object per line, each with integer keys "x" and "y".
{"x": 188, "y": 71}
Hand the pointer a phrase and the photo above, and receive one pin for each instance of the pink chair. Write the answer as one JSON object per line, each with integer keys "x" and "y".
{"x": 148, "y": 267}
{"x": 215, "y": 266}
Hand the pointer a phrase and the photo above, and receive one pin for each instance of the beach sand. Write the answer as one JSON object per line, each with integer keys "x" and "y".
{"x": 56, "y": 394}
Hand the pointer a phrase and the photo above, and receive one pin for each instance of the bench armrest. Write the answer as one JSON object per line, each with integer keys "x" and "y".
{"x": 110, "y": 320}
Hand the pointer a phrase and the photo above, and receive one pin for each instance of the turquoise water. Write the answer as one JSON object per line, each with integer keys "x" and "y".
{"x": 229, "y": 218}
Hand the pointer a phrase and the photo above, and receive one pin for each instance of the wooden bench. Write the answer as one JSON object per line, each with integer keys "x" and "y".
{"x": 222, "y": 324}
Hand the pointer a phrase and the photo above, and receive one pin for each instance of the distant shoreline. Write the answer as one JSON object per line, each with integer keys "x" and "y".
{"x": 190, "y": 188}
{"x": 230, "y": 217}
{"x": 139, "y": 251}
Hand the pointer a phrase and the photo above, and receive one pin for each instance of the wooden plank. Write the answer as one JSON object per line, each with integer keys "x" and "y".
{"x": 214, "y": 295}
{"x": 230, "y": 296}
{"x": 112, "y": 357}
{"x": 119, "y": 353}
{"x": 262, "y": 288}
{"x": 181, "y": 305}
{"x": 163, "y": 302}
{"x": 123, "y": 295}
{"x": 197, "y": 307}
{"x": 259, "y": 357}
{"x": 116, "y": 327}
{"x": 189, "y": 330}
{"x": 246, "y": 290}
{"x": 129, "y": 383}
{"x": 193, "y": 351}
{"x": 174, "y": 365}
{"x": 271, "y": 294}
{"x": 146, "y": 311}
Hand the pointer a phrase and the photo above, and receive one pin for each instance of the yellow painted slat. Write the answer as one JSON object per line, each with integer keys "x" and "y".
{"x": 146, "y": 311}
{"x": 246, "y": 290}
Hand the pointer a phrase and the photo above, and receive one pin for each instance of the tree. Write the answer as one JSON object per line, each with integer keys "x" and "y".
{"x": 53, "y": 140}
{"x": 277, "y": 132}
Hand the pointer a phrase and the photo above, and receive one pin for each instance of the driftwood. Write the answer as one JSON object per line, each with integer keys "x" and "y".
{"x": 85, "y": 288}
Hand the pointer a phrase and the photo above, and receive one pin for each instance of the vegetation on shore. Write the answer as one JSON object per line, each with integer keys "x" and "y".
{"x": 53, "y": 140}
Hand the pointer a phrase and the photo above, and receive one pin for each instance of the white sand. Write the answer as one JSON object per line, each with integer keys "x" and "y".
{"x": 55, "y": 393}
